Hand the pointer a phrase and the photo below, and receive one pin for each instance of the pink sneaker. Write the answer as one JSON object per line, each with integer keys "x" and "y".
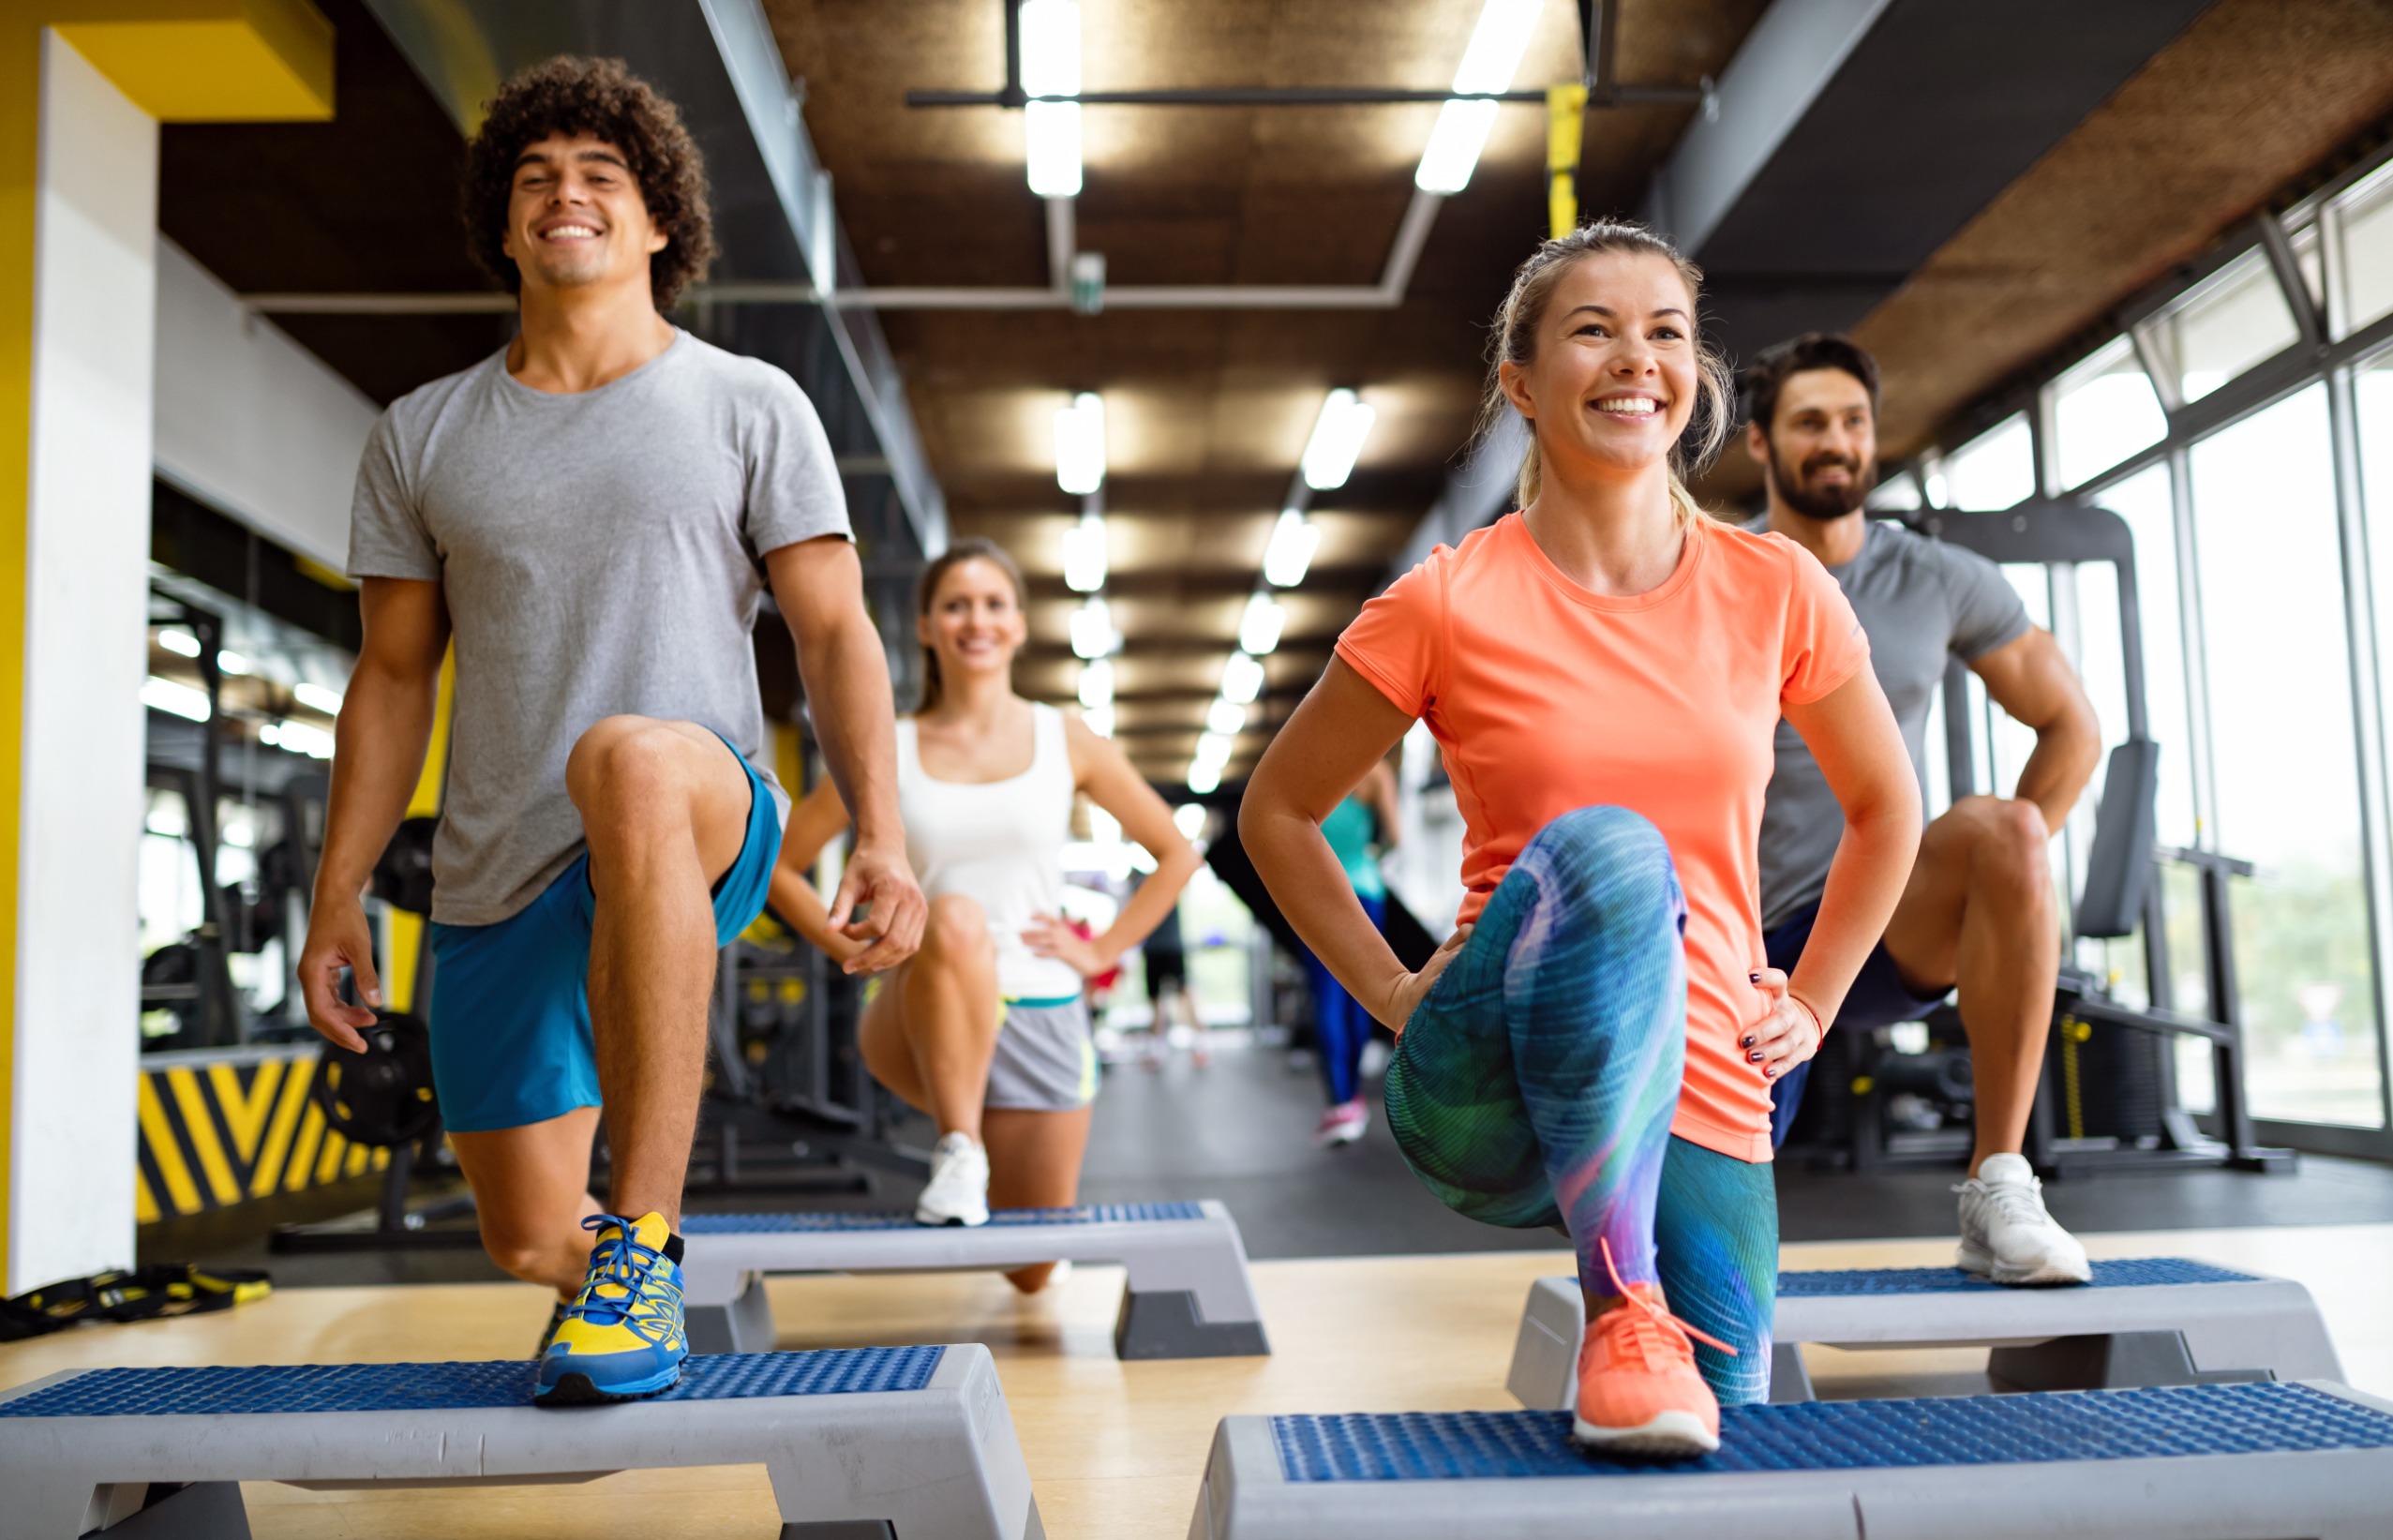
{"x": 1342, "y": 1125}
{"x": 1640, "y": 1392}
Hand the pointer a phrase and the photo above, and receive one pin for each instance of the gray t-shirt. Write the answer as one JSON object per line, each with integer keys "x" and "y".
{"x": 1919, "y": 599}
{"x": 599, "y": 553}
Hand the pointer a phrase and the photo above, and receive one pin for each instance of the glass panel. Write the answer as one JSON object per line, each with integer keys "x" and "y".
{"x": 2282, "y": 748}
{"x": 2227, "y": 325}
{"x": 2104, "y": 411}
{"x": 1897, "y": 492}
{"x": 2367, "y": 250}
{"x": 1994, "y": 469}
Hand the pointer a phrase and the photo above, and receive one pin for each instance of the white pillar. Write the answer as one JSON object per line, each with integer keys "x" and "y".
{"x": 71, "y": 1201}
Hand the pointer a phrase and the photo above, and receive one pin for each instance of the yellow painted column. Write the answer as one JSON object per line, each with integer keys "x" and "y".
{"x": 84, "y": 84}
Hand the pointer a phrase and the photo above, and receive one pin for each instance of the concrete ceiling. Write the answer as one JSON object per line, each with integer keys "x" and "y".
{"x": 1209, "y": 409}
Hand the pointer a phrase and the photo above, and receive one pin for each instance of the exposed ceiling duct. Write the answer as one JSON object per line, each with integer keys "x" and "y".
{"x": 1856, "y": 137}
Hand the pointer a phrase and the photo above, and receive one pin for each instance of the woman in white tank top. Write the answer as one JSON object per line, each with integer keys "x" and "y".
{"x": 985, "y": 1027}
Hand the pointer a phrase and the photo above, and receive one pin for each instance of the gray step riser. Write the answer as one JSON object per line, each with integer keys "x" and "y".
{"x": 2268, "y": 1324}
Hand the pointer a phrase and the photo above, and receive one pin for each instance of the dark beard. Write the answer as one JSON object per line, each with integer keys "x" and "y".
{"x": 1823, "y": 504}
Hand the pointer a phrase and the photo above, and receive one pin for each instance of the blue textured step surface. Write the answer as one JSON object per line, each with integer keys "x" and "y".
{"x": 794, "y": 1224}
{"x": 2194, "y": 1421}
{"x": 2139, "y": 1273}
{"x": 454, "y": 1387}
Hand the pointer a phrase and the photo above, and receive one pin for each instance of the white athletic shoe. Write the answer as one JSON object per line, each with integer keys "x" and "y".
{"x": 958, "y": 1191}
{"x": 1343, "y": 1124}
{"x": 2006, "y": 1234}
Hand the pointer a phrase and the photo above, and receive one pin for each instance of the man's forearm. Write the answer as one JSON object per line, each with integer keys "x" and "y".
{"x": 385, "y": 725}
{"x": 2057, "y": 771}
{"x": 847, "y": 680}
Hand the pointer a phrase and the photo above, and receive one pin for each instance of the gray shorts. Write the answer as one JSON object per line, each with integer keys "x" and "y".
{"x": 1045, "y": 1059}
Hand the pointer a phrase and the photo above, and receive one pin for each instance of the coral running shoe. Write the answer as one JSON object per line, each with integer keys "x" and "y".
{"x": 1640, "y": 1392}
{"x": 622, "y": 1336}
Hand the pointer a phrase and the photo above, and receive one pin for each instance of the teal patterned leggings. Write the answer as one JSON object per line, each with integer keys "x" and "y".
{"x": 1535, "y": 1085}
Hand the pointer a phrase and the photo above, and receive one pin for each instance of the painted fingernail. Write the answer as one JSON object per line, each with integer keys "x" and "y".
{"x": 1768, "y": 1070}
{"x": 1754, "y": 977}
{"x": 1746, "y": 1042}
{"x": 1752, "y": 1059}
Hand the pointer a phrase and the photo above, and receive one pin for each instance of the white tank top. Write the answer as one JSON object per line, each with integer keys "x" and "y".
{"x": 1001, "y": 844}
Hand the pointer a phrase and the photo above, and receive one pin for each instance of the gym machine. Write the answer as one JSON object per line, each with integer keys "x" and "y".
{"x": 2108, "y": 1099}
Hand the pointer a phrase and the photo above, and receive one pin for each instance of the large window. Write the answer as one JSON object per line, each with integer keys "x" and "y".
{"x": 2284, "y": 757}
{"x": 2257, "y": 483}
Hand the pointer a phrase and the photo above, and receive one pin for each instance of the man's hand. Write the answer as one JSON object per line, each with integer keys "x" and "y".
{"x": 879, "y": 882}
{"x": 337, "y": 938}
{"x": 1412, "y": 988}
{"x": 1790, "y": 1034}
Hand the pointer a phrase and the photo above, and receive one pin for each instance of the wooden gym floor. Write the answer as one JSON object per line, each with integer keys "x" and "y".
{"x": 1114, "y": 1449}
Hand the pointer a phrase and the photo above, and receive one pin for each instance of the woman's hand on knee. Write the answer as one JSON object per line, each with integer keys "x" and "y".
{"x": 1411, "y": 989}
{"x": 1789, "y": 1035}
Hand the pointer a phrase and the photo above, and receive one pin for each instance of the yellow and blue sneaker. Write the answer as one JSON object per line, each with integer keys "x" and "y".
{"x": 622, "y": 1336}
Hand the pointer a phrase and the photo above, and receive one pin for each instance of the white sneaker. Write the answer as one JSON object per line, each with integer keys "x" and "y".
{"x": 1343, "y": 1124}
{"x": 958, "y": 1192}
{"x": 2007, "y": 1235}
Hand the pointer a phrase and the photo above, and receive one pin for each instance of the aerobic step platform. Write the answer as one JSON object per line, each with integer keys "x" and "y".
{"x": 2207, "y": 1462}
{"x": 862, "y": 1444}
{"x": 1189, "y": 1295}
{"x": 2157, "y": 1321}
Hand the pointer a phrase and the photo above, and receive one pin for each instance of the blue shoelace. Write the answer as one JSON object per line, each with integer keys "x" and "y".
{"x": 638, "y": 1270}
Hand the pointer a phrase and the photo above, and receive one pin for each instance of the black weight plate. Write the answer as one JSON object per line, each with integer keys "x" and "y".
{"x": 382, "y": 1098}
{"x": 403, "y": 876}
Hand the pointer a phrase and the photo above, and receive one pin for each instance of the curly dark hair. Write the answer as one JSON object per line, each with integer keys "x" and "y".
{"x": 570, "y": 95}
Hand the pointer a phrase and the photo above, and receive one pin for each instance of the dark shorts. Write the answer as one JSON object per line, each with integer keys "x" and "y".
{"x": 1878, "y": 998}
{"x": 510, "y": 1015}
{"x": 1166, "y": 970}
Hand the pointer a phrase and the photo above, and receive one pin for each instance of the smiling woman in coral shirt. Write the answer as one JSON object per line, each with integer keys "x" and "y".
{"x": 1603, "y": 670}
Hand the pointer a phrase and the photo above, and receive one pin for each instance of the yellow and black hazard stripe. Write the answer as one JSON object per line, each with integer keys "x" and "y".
{"x": 223, "y": 1126}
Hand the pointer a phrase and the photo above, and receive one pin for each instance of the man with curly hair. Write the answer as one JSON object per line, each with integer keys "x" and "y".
{"x": 591, "y": 515}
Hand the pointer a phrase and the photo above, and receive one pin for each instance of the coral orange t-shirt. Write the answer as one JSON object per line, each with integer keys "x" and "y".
{"x": 1547, "y": 698}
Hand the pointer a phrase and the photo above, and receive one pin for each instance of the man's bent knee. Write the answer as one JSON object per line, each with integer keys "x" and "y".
{"x": 2013, "y": 853}
{"x": 627, "y": 764}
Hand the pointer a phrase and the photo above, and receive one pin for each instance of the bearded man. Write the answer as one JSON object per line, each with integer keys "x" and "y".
{"x": 1980, "y": 913}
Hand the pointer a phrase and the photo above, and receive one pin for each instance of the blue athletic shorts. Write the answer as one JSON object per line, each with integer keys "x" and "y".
{"x": 1880, "y": 997}
{"x": 510, "y": 1015}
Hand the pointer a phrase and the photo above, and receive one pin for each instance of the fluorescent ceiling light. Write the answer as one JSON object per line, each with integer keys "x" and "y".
{"x": 1080, "y": 444}
{"x": 1489, "y": 64}
{"x": 1203, "y": 779}
{"x": 1226, "y": 717}
{"x": 175, "y": 699}
{"x": 1294, "y": 539}
{"x": 1100, "y": 719}
{"x": 1188, "y": 819}
{"x": 1241, "y": 679}
{"x": 231, "y": 663}
{"x": 1084, "y": 555}
{"x": 1096, "y": 685}
{"x": 316, "y": 697}
{"x": 1213, "y": 748}
{"x": 179, "y": 642}
{"x": 1337, "y": 438}
{"x": 1050, "y": 46}
{"x": 1454, "y": 143}
{"x": 1051, "y": 67}
{"x": 298, "y": 738}
{"x": 1051, "y": 148}
{"x": 1259, "y": 627}
{"x": 1493, "y": 55}
{"x": 1093, "y": 633}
